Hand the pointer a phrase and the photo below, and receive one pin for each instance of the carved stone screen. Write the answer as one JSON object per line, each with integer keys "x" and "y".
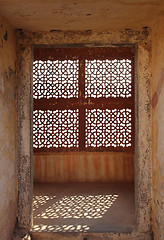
{"x": 108, "y": 128}
{"x": 58, "y": 128}
{"x": 58, "y": 79}
{"x": 108, "y": 78}
{"x": 83, "y": 99}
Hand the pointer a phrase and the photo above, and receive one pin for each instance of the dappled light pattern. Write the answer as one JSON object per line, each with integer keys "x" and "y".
{"x": 83, "y": 207}
{"x": 41, "y": 200}
{"x": 60, "y": 228}
{"x": 89, "y": 207}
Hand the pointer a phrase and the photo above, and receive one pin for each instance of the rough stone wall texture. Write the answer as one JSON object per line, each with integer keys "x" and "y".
{"x": 142, "y": 41}
{"x": 158, "y": 128}
{"x": 8, "y": 186}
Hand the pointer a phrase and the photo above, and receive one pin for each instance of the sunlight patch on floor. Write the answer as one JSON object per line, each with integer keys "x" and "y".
{"x": 77, "y": 207}
{"x": 60, "y": 228}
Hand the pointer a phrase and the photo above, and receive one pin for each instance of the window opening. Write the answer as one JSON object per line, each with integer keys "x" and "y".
{"x": 83, "y": 99}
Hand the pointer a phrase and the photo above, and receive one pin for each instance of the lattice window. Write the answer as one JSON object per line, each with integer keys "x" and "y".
{"x": 108, "y": 128}
{"x": 58, "y": 79}
{"x": 83, "y": 99}
{"x": 108, "y": 78}
{"x": 56, "y": 129}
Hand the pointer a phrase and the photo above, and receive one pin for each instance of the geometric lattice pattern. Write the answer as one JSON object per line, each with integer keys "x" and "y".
{"x": 108, "y": 128}
{"x": 83, "y": 99}
{"x": 57, "y": 129}
{"x": 57, "y": 79}
{"x": 108, "y": 78}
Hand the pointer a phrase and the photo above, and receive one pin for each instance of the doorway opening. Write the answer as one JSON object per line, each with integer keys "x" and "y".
{"x": 83, "y": 139}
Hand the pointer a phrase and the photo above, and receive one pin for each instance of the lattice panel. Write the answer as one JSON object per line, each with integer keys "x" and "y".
{"x": 58, "y": 79}
{"x": 57, "y": 129}
{"x": 108, "y": 128}
{"x": 108, "y": 78}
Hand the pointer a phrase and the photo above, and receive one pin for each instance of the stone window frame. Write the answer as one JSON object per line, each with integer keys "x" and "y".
{"x": 143, "y": 164}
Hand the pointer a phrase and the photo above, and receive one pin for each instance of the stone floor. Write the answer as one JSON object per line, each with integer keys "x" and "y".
{"x": 83, "y": 207}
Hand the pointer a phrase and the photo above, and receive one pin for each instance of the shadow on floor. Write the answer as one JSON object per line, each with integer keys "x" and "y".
{"x": 83, "y": 207}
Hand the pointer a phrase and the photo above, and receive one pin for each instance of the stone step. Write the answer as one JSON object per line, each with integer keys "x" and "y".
{"x": 58, "y": 236}
{"x": 84, "y": 236}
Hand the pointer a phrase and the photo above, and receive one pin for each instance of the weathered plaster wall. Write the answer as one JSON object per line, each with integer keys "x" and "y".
{"x": 84, "y": 167}
{"x": 97, "y": 15}
{"x": 158, "y": 128}
{"x": 8, "y": 192}
{"x": 141, "y": 39}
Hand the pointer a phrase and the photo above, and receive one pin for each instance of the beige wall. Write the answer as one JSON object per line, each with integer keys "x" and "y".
{"x": 84, "y": 167}
{"x": 158, "y": 128}
{"x": 8, "y": 186}
{"x": 8, "y": 197}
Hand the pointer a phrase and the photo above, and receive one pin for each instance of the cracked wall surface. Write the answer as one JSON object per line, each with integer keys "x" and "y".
{"x": 8, "y": 183}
